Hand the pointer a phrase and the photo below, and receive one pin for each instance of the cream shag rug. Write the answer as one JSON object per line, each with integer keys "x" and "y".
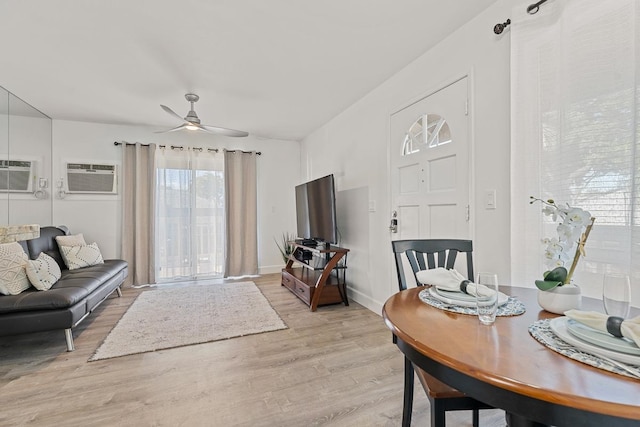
{"x": 166, "y": 318}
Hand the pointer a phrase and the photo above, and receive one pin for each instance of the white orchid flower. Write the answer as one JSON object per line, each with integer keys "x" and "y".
{"x": 578, "y": 217}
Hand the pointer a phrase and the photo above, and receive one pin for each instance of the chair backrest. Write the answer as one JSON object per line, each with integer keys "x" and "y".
{"x": 424, "y": 254}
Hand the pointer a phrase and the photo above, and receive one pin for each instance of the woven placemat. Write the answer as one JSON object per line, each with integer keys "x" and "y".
{"x": 513, "y": 306}
{"x": 541, "y": 331}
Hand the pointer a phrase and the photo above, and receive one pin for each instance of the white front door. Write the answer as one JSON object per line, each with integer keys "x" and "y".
{"x": 429, "y": 161}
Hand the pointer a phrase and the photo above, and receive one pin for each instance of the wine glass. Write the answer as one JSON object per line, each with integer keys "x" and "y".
{"x": 616, "y": 295}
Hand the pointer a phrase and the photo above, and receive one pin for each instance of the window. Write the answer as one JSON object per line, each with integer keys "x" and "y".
{"x": 575, "y": 133}
{"x": 189, "y": 214}
{"x": 429, "y": 131}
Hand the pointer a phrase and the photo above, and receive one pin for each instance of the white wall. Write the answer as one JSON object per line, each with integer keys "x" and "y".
{"x": 354, "y": 147}
{"x": 99, "y": 217}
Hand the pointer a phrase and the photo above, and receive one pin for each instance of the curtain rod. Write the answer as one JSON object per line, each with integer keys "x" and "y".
{"x": 531, "y": 10}
{"x": 174, "y": 147}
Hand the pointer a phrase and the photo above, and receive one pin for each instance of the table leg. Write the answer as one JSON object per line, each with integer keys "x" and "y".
{"x": 514, "y": 420}
{"x": 407, "y": 406}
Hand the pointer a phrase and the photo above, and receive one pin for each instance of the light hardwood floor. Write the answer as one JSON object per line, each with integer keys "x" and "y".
{"x": 336, "y": 366}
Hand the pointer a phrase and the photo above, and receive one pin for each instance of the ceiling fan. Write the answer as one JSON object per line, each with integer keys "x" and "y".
{"x": 192, "y": 122}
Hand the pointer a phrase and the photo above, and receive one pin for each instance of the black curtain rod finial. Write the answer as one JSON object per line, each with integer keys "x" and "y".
{"x": 499, "y": 28}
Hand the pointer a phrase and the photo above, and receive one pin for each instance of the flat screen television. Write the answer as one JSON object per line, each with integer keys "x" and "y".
{"x": 316, "y": 211}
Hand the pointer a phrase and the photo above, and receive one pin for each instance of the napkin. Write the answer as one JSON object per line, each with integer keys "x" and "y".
{"x": 616, "y": 326}
{"x": 451, "y": 280}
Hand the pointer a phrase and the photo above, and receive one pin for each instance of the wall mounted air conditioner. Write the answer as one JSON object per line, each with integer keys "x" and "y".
{"x": 91, "y": 178}
{"x": 17, "y": 176}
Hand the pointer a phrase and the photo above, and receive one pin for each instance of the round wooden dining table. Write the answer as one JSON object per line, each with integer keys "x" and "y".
{"x": 505, "y": 367}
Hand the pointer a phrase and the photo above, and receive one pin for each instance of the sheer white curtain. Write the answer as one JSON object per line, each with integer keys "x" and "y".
{"x": 575, "y": 133}
{"x": 189, "y": 213}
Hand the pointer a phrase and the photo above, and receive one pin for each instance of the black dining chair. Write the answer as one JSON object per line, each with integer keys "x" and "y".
{"x": 426, "y": 254}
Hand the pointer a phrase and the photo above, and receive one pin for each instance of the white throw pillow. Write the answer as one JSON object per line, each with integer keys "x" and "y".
{"x": 43, "y": 272}
{"x": 72, "y": 240}
{"x": 81, "y": 256}
{"x": 13, "y": 277}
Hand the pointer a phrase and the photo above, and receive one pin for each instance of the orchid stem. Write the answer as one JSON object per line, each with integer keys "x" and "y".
{"x": 576, "y": 258}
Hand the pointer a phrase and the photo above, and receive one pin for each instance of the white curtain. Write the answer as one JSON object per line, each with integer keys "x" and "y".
{"x": 190, "y": 213}
{"x": 242, "y": 213}
{"x": 138, "y": 205}
{"x": 575, "y": 134}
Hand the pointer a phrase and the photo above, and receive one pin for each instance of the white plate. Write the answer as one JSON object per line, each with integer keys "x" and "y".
{"x": 458, "y": 296}
{"x": 433, "y": 292}
{"x": 602, "y": 339}
{"x": 559, "y": 327}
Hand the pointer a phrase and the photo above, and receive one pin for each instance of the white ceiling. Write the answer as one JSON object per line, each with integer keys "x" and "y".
{"x": 275, "y": 68}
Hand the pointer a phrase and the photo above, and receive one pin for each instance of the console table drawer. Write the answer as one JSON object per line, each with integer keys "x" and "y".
{"x": 297, "y": 286}
{"x": 303, "y": 292}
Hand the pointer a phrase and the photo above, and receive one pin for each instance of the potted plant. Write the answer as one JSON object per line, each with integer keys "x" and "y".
{"x": 284, "y": 246}
{"x": 557, "y": 293}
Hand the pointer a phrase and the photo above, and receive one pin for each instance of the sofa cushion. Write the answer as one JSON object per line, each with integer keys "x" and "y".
{"x": 43, "y": 272}
{"x": 81, "y": 256}
{"x": 13, "y": 277}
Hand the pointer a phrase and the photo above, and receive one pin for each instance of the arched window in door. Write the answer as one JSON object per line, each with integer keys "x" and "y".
{"x": 428, "y": 131}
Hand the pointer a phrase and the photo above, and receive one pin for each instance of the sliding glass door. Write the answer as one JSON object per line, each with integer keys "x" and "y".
{"x": 189, "y": 214}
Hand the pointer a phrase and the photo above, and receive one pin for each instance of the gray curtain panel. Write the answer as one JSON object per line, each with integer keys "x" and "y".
{"x": 241, "y": 213}
{"x": 138, "y": 212}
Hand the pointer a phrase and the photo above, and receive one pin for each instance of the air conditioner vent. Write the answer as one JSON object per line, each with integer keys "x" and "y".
{"x": 91, "y": 178}
{"x": 16, "y": 176}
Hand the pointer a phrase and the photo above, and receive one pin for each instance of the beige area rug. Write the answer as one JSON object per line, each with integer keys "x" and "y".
{"x": 166, "y": 318}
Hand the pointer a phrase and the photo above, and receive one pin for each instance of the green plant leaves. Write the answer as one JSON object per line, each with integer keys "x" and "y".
{"x": 553, "y": 278}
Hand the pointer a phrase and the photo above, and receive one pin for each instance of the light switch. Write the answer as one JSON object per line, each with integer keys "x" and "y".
{"x": 490, "y": 199}
{"x": 372, "y": 205}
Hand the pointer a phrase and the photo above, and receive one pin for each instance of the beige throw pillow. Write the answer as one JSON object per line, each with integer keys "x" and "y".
{"x": 72, "y": 240}
{"x": 43, "y": 272}
{"x": 13, "y": 277}
{"x": 81, "y": 256}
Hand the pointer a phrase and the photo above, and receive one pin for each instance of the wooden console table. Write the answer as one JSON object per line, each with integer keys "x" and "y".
{"x": 319, "y": 278}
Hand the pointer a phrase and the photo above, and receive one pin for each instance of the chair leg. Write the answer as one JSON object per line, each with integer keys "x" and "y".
{"x": 476, "y": 418}
{"x": 407, "y": 406}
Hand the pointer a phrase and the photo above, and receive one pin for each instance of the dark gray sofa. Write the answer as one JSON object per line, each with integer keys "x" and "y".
{"x": 69, "y": 300}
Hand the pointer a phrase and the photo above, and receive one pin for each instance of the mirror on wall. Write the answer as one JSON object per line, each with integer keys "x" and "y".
{"x": 25, "y": 163}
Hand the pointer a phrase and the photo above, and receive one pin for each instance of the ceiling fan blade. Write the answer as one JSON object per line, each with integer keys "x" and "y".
{"x": 170, "y": 111}
{"x": 224, "y": 131}
{"x": 182, "y": 126}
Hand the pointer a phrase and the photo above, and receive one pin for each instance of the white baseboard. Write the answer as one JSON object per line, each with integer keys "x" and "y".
{"x": 365, "y": 301}
{"x": 270, "y": 269}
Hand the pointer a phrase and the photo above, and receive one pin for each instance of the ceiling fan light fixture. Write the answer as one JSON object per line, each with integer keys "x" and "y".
{"x": 192, "y": 122}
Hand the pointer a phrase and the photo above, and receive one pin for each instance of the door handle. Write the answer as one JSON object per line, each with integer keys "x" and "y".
{"x": 393, "y": 227}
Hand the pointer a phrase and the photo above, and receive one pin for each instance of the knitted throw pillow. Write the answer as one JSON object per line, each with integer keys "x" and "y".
{"x": 13, "y": 277}
{"x": 43, "y": 272}
{"x": 81, "y": 256}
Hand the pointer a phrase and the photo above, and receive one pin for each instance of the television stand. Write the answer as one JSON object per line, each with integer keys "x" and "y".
{"x": 319, "y": 278}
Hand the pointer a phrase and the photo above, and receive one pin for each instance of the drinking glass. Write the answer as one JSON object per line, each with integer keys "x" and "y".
{"x": 616, "y": 295}
{"x": 487, "y": 297}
